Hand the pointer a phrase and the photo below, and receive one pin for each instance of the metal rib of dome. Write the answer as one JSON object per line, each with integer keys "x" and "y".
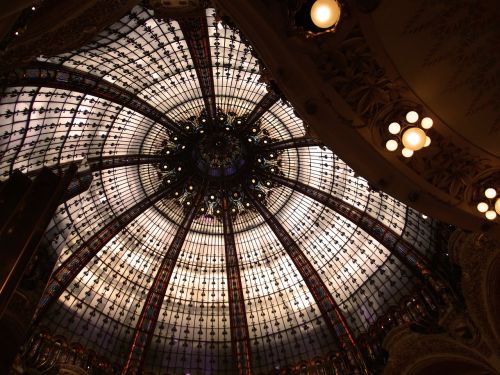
{"x": 152, "y": 271}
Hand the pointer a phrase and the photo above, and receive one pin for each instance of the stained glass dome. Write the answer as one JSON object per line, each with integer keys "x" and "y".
{"x": 214, "y": 234}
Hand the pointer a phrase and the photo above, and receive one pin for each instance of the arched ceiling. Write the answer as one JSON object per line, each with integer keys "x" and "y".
{"x": 345, "y": 86}
{"x": 447, "y": 53}
{"x": 150, "y": 273}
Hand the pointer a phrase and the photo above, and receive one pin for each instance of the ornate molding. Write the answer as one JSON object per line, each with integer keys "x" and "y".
{"x": 378, "y": 97}
{"x": 411, "y": 353}
{"x": 342, "y": 78}
{"x": 479, "y": 259}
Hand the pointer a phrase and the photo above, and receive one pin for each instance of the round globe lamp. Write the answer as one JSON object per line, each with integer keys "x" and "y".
{"x": 325, "y": 13}
{"x": 414, "y": 138}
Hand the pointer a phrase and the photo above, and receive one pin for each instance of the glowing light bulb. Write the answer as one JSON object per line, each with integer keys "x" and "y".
{"x": 490, "y": 215}
{"x": 497, "y": 206}
{"x": 394, "y": 128}
{"x": 490, "y": 193}
{"x": 427, "y": 141}
{"x": 407, "y": 153}
{"x": 412, "y": 117}
{"x": 325, "y": 13}
{"x": 391, "y": 145}
{"x": 414, "y": 138}
{"x": 482, "y": 207}
{"x": 427, "y": 123}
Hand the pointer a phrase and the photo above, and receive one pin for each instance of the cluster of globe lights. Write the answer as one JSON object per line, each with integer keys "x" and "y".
{"x": 410, "y": 134}
{"x": 490, "y": 209}
{"x": 235, "y": 164}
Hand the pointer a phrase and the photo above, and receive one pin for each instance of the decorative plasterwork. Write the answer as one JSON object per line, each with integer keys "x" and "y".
{"x": 471, "y": 334}
{"x": 479, "y": 260}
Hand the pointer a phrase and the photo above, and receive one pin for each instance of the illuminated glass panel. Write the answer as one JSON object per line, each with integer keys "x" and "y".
{"x": 149, "y": 58}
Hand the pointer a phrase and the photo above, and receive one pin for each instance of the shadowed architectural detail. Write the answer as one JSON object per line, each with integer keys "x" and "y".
{"x": 78, "y": 185}
{"x": 149, "y": 315}
{"x": 116, "y": 161}
{"x": 239, "y": 327}
{"x": 81, "y": 182}
{"x": 108, "y": 162}
{"x": 293, "y": 143}
{"x": 329, "y": 309}
{"x": 65, "y": 273}
{"x": 262, "y": 107}
{"x": 56, "y": 76}
{"x": 195, "y": 32}
{"x": 21, "y": 233}
{"x": 401, "y": 249}
{"x": 30, "y": 111}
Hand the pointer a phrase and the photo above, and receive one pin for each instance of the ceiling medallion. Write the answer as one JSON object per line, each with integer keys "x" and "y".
{"x": 228, "y": 153}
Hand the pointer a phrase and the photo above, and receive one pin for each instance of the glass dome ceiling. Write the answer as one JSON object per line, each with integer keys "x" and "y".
{"x": 215, "y": 235}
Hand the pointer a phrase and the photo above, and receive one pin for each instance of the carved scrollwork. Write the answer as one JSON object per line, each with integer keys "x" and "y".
{"x": 353, "y": 71}
{"x": 487, "y": 178}
{"x": 449, "y": 167}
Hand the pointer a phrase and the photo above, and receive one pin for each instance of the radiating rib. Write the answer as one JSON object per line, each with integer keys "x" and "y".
{"x": 83, "y": 179}
{"x": 329, "y": 309}
{"x": 240, "y": 338}
{"x": 400, "y": 248}
{"x": 60, "y": 77}
{"x": 195, "y": 31}
{"x": 265, "y": 103}
{"x": 294, "y": 143}
{"x": 107, "y": 162}
{"x": 149, "y": 315}
{"x": 66, "y": 273}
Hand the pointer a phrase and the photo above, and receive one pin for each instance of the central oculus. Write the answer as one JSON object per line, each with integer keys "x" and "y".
{"x": 219, "y": 153}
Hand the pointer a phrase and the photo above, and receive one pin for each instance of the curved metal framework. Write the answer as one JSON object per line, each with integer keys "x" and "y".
{"x": 244, "y": 292}
{"x": 149, "y": 315}
{"x": 240, "y": 339}
{"x": 66, "y": 272}
{"x": 50, "y": 75}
